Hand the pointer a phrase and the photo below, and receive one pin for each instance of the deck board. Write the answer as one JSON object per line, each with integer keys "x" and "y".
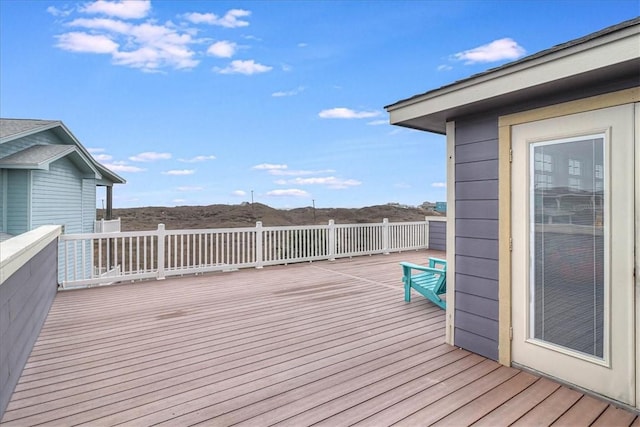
{"x": 329, "y": 343}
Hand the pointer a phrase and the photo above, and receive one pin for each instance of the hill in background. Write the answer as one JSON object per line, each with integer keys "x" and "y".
{"x": 246, "y": 215}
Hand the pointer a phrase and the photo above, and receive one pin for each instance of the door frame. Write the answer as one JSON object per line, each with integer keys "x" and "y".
{"x": 505, "y": 123}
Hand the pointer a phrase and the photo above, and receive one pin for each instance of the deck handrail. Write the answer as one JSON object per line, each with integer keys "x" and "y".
{"x": 92, "y": 259}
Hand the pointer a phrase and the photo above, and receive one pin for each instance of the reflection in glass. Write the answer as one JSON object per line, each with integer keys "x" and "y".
{"x": 567, "y": 218}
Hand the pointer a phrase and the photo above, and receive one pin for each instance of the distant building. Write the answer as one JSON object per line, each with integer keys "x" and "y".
{"x": 441, "y": 207}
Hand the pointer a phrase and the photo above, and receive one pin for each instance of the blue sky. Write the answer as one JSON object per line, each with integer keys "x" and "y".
{"x": 202, "y": 102}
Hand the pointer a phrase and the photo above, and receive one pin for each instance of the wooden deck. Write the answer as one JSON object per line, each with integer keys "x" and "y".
{"x": 329, "y": 343}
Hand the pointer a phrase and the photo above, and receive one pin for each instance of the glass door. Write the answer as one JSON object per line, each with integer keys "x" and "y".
{"x": 573, "y": 249}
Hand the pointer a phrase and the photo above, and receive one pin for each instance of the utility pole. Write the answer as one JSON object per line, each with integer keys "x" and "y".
{"x": 313, "y": 203}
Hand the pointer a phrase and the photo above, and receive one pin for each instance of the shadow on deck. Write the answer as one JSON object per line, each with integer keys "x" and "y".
{"x": 328, "y": 342}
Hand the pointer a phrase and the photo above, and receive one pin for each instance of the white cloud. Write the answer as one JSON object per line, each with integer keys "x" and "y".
{"x": 292, "y": 192}
{"x": 123, "y": 167}
{"x": 302, "y": 45}
{"x": 112, "y": 25}
{"x": 439, "y": 184}
{"x": 222, "y": 49}
{"x": 497, "y": 50}
{"x": 179, "y": 200}
{"x": 378, "y": 122}
{"x": 229, "y": 20}
{"x": 329, "y": 181}
{"x": 246, "y": 67}
{"x": 197, "y": 159}
{"x": 120, "y": 9}
{"x": 88, "y": 43}
{"x": 101, "y": 157}
{"x": 147, "y": 46}
{"x": 96, "y": 150}
{"x": 280, "y": 172}
{"x": 444, "y": 67}
{"x": 269, "y": 166}
{"x": 190, "y": 188}
{"x": 52, "y": 10}
{"x": 347, "y": 113}
{"x": 292, "y": 92}
{"x": 179, "y": 172}
{"x": 239, "y": 193}
{"x": 150, "y": 156}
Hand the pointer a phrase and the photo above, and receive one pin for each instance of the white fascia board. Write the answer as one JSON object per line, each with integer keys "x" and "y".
{"x": 556, "y": 66}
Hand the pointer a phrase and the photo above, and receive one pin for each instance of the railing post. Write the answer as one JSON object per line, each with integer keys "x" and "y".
{"x": 161, "y": 235}
{"x": 385, "y": 236}
{"x": 427, "y": 230}
{"x": 332, "y": 240}
{"x": 259, "y": 259}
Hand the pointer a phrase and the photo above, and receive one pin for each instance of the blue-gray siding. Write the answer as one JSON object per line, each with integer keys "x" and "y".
{"x": 438, "y": 235}
{"x": 57, "y": 196}
{"x": 476, "y": 181}
{"x": 17, "y": 214}
{"x": 476, "y": 156}
{"x": 3, "y": 195}
{"x": 25, "y": 299}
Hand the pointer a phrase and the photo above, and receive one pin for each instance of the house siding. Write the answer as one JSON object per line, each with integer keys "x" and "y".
{"x": 3, "y": 194}
{"x": 476, "y": 183}
{"x": 476, "y": 222}
{"x": 438, "y": 235}
{"x": 25, "y": 299}
{"x": 62, "y": 179}
{"x": 17, "y": 201}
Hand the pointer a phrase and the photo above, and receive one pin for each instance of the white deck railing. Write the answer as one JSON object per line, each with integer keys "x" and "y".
{"x": 106, "y": 226}
{"x": 101, "y": 258}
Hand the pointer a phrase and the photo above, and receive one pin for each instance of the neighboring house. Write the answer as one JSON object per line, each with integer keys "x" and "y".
{"x": 543, "y": 179}
{"x": 48, "y": 177}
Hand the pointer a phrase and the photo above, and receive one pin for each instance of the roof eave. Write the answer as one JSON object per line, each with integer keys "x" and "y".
{"x": 430, "y": 111}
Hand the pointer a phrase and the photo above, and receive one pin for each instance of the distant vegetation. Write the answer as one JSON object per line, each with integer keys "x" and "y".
{"x": 246, "y": 215}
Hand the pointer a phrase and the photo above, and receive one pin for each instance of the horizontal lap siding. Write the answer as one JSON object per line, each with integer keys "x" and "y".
{"x": 476, "y": 176}
{"x": 2, "y": 196}
{"x": 25, "y": 299}
{"x": 17, "y": 201}
{"x": 438, "y": 235}
{"x": 57, "y": 196}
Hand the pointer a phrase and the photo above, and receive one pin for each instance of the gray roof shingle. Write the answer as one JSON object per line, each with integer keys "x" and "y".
{"x": 36, "y": 155}
{"x": 10, "y": 127}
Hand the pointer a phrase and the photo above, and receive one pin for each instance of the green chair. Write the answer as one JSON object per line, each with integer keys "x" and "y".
{"x": 430, "y": 282}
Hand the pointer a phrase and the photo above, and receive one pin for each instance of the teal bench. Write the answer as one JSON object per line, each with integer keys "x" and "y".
{"x": 430, "y": 282}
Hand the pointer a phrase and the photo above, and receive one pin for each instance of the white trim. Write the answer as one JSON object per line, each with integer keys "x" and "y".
{"x": 17, "y": 251}
{"x": 636, "y": 140}
{"x": 451, "y": 232}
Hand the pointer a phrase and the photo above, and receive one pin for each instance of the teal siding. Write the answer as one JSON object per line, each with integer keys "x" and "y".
{"x": 88, "y": 205}
{"x": 57, "y": 196}
{"x": 17, "y": 201}
{"x": 2, "y": 203}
